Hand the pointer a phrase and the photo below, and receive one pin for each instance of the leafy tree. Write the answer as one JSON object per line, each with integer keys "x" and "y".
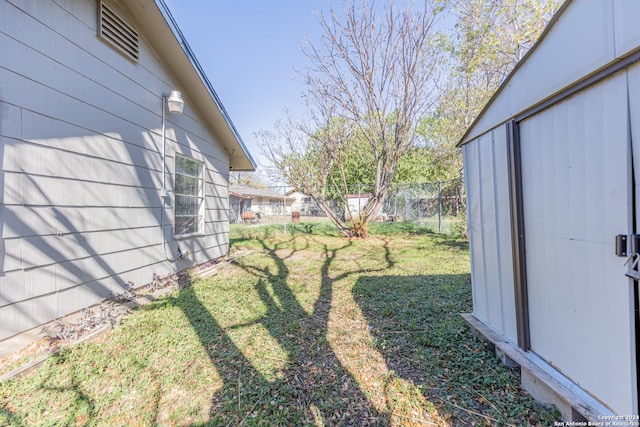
{"x": 490, "y": 37}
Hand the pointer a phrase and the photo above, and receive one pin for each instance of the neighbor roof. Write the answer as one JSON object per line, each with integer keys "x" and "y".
{"x": 257, "y": 192}
{"x": 169, "y": 43}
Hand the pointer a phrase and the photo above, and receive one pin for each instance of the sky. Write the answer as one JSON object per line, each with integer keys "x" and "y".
{"x": 249, "y": 50}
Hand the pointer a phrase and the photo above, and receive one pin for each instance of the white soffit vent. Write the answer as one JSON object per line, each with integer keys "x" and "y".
{"x": 113, "y": 29}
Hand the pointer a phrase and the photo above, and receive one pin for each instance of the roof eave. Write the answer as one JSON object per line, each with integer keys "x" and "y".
{"x": 169, "y": 42}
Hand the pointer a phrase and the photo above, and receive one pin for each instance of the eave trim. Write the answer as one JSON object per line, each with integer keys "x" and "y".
{"x": 173, "y": 25}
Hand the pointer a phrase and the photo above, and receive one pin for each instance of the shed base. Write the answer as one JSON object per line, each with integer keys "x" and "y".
{"x": 541, "y": 380}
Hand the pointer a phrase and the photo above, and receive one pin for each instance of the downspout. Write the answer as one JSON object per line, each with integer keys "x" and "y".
{"x": 164, "y": 147}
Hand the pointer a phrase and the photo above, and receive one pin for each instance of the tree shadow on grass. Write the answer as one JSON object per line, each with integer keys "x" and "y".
{"x": 312, "y": 387}
{"x": 418, "y": 328}
{"x": 65, "y": 393}
{"x": 444, "y": 240}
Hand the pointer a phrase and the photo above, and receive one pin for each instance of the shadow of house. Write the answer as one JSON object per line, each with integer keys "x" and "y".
{"x": 96, "y": 174}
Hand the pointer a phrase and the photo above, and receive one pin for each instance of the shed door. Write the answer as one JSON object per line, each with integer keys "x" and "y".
{"x": 577, "y": 197}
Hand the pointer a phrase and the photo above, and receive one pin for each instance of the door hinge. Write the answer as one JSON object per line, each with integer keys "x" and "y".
{"x": 623, "y": 249}
{"x": 621, "y": 245}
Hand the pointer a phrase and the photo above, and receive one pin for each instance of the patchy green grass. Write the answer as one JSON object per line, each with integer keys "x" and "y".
{"x": 308, "y": 329}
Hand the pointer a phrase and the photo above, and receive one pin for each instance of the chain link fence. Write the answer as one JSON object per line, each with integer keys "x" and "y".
{"x": 438, "y": 206}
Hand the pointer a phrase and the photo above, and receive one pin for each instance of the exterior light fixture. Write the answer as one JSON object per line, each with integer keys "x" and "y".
{"x": 175, "y": 102}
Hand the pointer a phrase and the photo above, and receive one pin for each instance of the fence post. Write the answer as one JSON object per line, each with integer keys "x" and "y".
{"x": 439, "y": 207}
{"x": 284, "y": 208}
{"x": 406, "y": 208}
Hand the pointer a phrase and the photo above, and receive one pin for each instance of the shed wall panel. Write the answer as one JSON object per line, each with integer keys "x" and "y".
{"x": 580, "y": 42}
{"x": 473, "y": 170}
{"x": 627, "y": 30}
{"x": 576, "y": 200}
{"x": 505, "y": 303}
{"x": 486, "y": 177}
{"x": 489, "y": 231}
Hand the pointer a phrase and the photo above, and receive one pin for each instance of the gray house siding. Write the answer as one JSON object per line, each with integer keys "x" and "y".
{"x": 81, "y": 176}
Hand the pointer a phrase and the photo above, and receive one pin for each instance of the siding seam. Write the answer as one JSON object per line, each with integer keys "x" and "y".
{"x": 497, "y": 228}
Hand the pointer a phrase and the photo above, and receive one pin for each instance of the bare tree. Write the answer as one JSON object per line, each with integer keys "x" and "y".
{"x": 246, "y": 179}
{"x": 312, "y": 160}
{"x": 370, "y": 76}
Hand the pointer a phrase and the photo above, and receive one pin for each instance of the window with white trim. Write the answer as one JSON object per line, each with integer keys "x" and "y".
{"x": 189, "y": 196}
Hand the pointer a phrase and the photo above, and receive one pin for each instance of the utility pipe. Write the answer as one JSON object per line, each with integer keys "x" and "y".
{"x": 164, "y": 193}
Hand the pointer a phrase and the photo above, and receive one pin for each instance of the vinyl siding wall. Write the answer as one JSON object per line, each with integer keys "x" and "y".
{"x": 80, "y": 149}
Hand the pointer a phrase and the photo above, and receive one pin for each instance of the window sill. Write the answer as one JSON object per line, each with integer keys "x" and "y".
{"x": 187, "y": 236}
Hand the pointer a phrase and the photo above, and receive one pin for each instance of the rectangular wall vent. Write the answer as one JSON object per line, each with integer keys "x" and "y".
{"x": 118, "y": 33}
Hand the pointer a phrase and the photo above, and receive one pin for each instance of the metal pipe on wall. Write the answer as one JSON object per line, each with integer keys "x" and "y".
{"x": 163, "y": 194}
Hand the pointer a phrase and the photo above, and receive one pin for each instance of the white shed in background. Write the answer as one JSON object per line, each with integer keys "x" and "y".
{"x": 552, "y": 167}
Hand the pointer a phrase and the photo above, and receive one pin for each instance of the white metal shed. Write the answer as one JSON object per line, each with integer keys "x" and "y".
{"x": 552, "y": 171}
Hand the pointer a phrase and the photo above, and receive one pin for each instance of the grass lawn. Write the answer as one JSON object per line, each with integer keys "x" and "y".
{"x": 308, "y": 328}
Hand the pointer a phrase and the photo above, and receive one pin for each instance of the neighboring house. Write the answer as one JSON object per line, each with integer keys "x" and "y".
{"x": 552, "y": 173}
{"x": 303, "y": 203}
{"x": 266, "y": 201}
{"x": 101, "y": 184}
{"x": 238, "y": 204}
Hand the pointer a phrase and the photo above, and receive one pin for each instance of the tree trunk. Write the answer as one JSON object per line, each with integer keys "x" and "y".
{"x": 335, "y": 219}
